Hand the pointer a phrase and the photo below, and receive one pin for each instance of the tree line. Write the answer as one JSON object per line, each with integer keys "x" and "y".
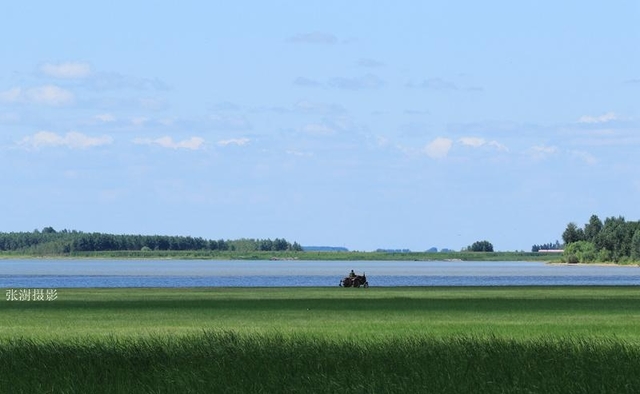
{"x": 614, "y": 240}
{"x": 50, "y": 241}
{"x": 480, "y": 246}
{"x": 548, "y": 246}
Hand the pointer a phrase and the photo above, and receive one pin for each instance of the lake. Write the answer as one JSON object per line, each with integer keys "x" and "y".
{"x": 59, "y": 273}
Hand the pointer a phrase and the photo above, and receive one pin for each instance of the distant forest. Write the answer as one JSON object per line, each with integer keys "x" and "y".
{"x": 50, "y": 241}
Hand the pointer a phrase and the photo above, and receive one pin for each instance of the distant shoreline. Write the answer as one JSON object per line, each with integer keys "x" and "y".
{"x": 295, "y": 256}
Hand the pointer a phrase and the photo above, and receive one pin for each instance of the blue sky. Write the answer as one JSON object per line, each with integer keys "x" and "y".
{"x": 361, "y": 124}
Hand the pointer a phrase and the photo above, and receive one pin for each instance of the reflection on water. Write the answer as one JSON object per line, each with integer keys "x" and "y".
{"x": 27, "y": 273}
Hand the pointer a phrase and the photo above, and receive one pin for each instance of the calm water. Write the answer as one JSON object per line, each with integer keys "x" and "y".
{"x": 51, "y": 273}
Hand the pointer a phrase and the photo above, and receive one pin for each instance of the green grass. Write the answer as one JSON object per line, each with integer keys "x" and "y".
{"x": 511, "y": 312}
{"x": 326, "y": 340}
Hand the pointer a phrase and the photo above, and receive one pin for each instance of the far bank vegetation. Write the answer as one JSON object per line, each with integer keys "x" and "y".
{"x": 68, "y": 242}
{"x": 614, "y": 240}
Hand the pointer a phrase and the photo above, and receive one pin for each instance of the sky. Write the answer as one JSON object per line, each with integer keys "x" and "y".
{"x": 360, "y": 124}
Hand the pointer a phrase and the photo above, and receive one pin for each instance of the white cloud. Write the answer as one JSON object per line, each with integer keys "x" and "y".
{"x": 498, "y": 146}
{"x": 234, "y": 141}
{"x": 438, "y": 148}
{"x": 47, "y": 95}
{"x": 609, "y": 116}
{"x": 193, "y": 143}
{"x": 477, "y": 142}
{"x": 72, "y": 140}
{"x": 472, "y": 141}
{"x": 68, "y": 70}
{"x": 50, "y": 95}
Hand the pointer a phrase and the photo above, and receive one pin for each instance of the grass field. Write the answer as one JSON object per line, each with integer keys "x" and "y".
{"x": 376, "y": 340}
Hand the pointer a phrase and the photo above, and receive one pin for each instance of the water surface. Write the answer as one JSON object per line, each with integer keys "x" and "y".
{"x": 54, "y": 273}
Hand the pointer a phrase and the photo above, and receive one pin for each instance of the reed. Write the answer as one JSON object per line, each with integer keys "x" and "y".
{"x": 323, "y": 340}
{"x": 229, "y": 362}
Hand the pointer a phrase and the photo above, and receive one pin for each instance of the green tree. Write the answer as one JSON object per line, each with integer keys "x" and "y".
{"x": 592, "y": 229}
{"x": 481, "y": 246}
{"x": 616, "y": 236}
{"x": 635, "y": 246}
{"x": 580, "y": 252}
{"x": 572, "y": 234}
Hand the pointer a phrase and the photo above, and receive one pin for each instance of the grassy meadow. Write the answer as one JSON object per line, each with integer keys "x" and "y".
{"x": 326, "y": 340}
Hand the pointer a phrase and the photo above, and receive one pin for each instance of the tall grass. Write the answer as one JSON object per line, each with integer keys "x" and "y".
{"x": 228, "y": 362}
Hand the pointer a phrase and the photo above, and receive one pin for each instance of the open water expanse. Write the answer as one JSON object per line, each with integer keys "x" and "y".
{"x": 53, "y": 273}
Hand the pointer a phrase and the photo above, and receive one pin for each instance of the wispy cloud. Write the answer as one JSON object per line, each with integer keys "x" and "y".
{"x": 543, "y": 151}
{"x": 438, "y": 148}
{"x": 50, "y": 95}
{"x": 234, "y": 141}
{"x": 68, "y": 70}
{"x": 315, "y": 37}
{"x": 72, "y": 140}
{"x": 608, "y": 117}
{"x": 472, "y": 141}
{"x": 45, "y": 95}
{"x": 193, "y": 143}
{"x": 477, "y": 142}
